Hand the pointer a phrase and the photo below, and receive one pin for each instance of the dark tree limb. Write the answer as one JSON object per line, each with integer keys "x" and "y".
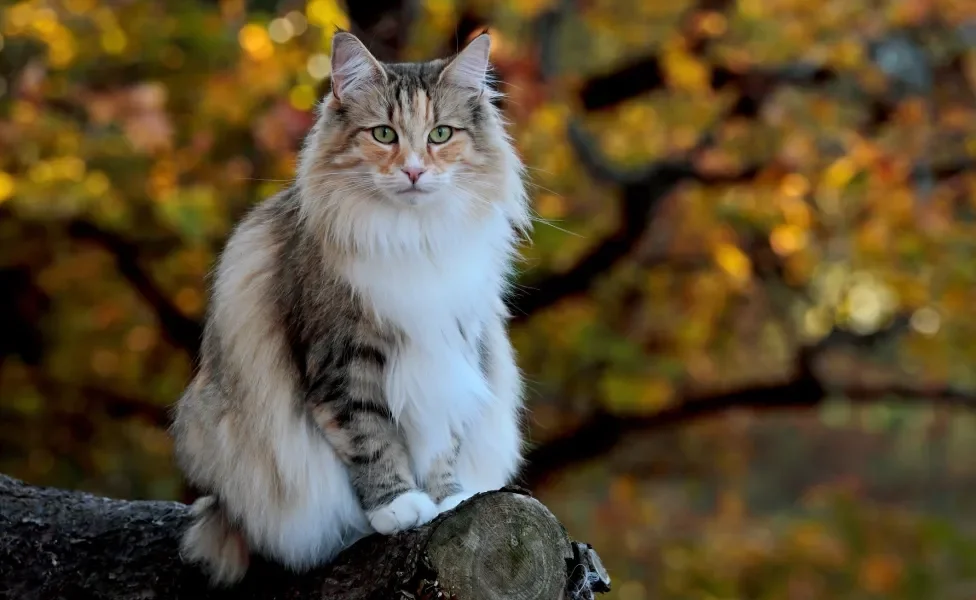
{"x": 637, "y": 202}
{"x": 804, "y": 390}
{"x": 603, "y": 432}
{"x": 383, "y": 24}
{"x": 641, "y": 191}
{"x": 178, "y": 328}
{"x": 500, "y": 545}
{"x": 646, "y": 75}
{"x": 95, "y": 399}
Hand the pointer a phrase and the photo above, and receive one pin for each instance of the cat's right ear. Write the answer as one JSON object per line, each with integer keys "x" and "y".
{"x": 352, "y": 66}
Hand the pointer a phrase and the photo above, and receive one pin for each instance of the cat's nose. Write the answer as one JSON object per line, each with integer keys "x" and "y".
{"x": 413, "y": 173}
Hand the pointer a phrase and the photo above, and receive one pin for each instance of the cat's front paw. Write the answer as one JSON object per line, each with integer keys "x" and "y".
{"x": 410, "y": 509}
{"x": 452, "y": 501}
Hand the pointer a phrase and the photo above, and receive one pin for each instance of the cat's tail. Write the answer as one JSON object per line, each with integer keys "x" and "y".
{"x": 213, "y": 541}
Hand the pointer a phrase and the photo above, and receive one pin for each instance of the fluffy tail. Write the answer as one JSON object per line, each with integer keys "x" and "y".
{"x": 214, "y": 542}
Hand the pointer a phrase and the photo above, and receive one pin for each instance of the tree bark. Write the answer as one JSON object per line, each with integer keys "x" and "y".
{"x": 57, "y": 544}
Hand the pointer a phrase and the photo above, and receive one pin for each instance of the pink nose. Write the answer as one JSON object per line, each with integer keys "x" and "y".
{"x": 413, "y": 173}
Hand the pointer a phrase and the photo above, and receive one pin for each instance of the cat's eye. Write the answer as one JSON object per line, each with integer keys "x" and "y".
{"x": 440, "y": 134}
{"x": 384, "y": 134}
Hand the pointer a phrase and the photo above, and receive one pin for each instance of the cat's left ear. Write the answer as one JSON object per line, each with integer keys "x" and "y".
{"x": 353, "y": 67}
{"x": 469, "y": 69}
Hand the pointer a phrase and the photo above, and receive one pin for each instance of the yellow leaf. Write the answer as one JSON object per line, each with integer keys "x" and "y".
{"x": 794, "y": 185}
{"x": 796, "y": 212}
{"x": 684, "y": 71}
{"x": 657, "y": 394}
{"x": 880, "y": 574}
{"x": 114, "y": 41}
{"x": 813, "y": 541}
{"x": 550, "y": 206}
{"x": 189, "y": 300}
{"x": 327, "y": 14}
{"x": 550, "y": 119}
{"x": 61, "y": 50}
{"x": 621, "y": 390}
{"x": 637, "y": 115}
{"x": 849, "y": 53}
{"x": 255, "y": 40}
{"x": 302, "y": 97}
{"x": 69, "y": 167}
{"x": 97, "y": 183}
{"x": 734, "y": 262}
{"x": 7, "y": 186}
{"x": 528, "y": 9}
{"x": 839, "y": 174}
{"x": 23, "y": 112}
{"x": 79, "y": 7}
{"x": 713, "y": 24}
{"x": 787, "y": 239}
{"x": 41, "y": 172}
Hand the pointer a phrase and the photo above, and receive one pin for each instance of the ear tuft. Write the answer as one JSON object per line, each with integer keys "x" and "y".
{"x": 469, "y": 69}
{"x": 352, "y": 65}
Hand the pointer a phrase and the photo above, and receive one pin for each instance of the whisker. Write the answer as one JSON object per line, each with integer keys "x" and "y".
{"x": 545, "y": 189}
{"x": 538, "y": 219}
{"x": 263, "y": 180}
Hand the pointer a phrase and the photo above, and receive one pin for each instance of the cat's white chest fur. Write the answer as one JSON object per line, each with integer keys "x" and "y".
{"x": 440, "y": 301}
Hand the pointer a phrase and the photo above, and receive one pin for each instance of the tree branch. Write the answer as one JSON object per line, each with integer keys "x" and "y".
{"x": 113, "y": 404}
{"x": 177, "y": 327}
{"x": 644, "y": 188}
{"x": 60, "y": 544}
{"x": 383, "y": 24}
{"x": 646, "y": 75}
{"x": 642, "y": 191}
{"x": 602, "y": 432}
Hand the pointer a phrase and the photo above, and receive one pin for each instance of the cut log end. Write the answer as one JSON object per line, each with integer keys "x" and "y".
{"x": 502, "y": 544}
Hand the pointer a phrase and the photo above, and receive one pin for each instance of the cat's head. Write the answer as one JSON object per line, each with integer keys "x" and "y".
{"x": 418, "y": 145}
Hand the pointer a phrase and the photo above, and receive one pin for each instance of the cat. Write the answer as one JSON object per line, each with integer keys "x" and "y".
{"x": 356, "y": 373}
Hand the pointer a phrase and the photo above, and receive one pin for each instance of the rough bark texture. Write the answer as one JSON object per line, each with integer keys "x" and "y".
{"x": 56, "y": 544}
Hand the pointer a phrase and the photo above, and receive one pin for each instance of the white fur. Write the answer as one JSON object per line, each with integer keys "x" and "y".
{"x": 212, "y": 539}
{"x": 452, "y": 501}
{"x": 491, "y": 451}
{"x": 407, "y": 510}
{"x": 435, "y": 384}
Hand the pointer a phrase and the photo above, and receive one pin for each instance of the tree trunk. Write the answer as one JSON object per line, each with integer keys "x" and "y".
{"x": 56, "y": 544}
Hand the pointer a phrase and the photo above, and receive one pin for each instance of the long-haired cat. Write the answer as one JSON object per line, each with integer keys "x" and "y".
{"x": 356, "y": 374}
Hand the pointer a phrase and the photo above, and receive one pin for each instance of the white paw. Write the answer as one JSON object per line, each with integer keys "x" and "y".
{"x": 407, "y": 510}
{"x": 452, "y": 501}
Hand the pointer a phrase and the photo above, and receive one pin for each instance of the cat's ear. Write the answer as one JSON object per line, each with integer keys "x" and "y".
{"x": 469, "y": 69}
{"x": 352, "y": 65}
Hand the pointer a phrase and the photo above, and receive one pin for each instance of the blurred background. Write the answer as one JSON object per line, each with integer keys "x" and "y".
{"x": 747, "y": 314}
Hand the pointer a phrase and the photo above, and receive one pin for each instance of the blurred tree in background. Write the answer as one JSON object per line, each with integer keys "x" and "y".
{"x": 743, "y": 206}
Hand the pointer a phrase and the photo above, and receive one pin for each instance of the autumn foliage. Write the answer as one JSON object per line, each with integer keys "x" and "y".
{"x": 741, "y": 206}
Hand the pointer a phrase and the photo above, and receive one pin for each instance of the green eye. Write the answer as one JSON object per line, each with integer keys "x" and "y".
{"x": 440, "y": 134}
{"x": 384, "y": 134}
